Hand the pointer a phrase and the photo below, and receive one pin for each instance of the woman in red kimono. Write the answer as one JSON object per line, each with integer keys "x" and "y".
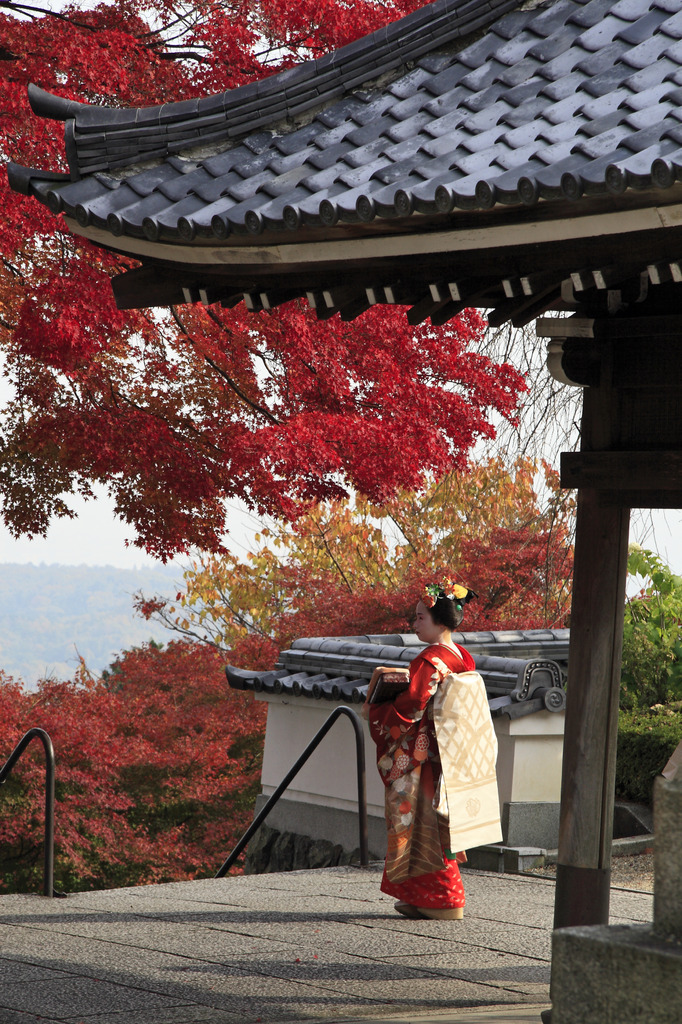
{"x": 420, "y": 871}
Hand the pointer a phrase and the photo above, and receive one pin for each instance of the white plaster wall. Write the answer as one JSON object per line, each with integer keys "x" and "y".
{"x": 528, "y": 766}
{"x": 530, "y": 757}
{"x": 329, "y": 777}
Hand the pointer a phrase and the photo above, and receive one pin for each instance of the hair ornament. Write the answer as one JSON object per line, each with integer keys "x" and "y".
{"x": 430, "y": 594}
{"x": 448, "y": 589}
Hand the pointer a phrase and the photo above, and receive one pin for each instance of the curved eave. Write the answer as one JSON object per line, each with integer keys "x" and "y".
{"x": 516, "y": 268}
{"x": 103, "y": 138}
{"x": 447, "y": 234}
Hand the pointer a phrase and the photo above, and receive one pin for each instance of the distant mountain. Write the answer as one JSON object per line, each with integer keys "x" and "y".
{"x": 49, "y": 614}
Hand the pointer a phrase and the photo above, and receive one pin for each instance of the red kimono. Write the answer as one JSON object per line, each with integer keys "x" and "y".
{"x": 419, "y": 869}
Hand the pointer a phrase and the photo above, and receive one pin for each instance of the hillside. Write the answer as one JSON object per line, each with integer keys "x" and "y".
{"x": 51, "y": 613}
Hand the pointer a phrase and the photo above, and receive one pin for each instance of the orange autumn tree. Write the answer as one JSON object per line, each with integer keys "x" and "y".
{"x": 357, "y": 568}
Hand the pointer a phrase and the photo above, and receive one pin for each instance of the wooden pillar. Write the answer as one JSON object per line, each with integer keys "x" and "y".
{"x": 630, "y": 457}
{"x": 593, "y": 690}
{"x": 589, "y": 762}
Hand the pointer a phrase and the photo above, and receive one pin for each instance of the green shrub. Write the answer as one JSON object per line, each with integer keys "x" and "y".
{"x": 646, "y": 740}
{"x": 652, "y": 635}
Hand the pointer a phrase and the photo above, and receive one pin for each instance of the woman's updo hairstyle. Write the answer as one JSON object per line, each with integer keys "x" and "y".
{"x": 445, "y": 602}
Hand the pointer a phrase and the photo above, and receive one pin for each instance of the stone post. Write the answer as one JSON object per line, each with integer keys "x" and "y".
{"x": 668, "y": 857}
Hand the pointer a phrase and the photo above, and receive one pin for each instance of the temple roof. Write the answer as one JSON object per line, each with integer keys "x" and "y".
{"x": 462, "y": 156}
{"x": 524, "y": 670}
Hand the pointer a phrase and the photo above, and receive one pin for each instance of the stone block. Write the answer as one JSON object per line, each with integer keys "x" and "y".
{"x": 302, "y": 846}
{"x": 259, "y": 849}
{"x": 322, "y": 822}
{"x": 668, "y": 858}
{"x": 282, "y": 852}
{"x": 324, "y": 854}
{"x": 622, "y": 974}
{"x": 522, "y": 858}
{"x": 631, "y": 819}
{"x": 526, "y": 823}
{"x": 486, "y": 858}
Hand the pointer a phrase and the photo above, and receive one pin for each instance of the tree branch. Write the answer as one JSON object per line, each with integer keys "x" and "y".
{"x": 226, "y": 377}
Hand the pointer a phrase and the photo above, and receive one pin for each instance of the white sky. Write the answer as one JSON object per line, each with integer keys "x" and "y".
{"x": 96, "y": 537}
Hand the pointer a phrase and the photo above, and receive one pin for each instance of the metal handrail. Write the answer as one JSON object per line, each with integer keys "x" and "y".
{"x": 48, "y": 873}
{"x": 294, "y": 770}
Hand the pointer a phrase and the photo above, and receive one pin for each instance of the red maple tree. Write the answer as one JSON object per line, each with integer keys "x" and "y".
{"x": 176, "y": 410}
{"x": 158, "y": 765}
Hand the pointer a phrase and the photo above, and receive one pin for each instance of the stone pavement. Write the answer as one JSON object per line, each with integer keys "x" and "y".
{"x": 314, "y": 946}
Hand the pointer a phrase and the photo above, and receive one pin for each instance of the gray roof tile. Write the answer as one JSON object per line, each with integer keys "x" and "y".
{"x": 511, "y": 26}
{"x": 563, "y": 87}
{"x": 407, "y": 129}
{"x": 544, "y": 50}
{"x": 518, "y": 74}
{"x": 604, "y": 143}
{"x": 604, "y": 82}
{"x": 664, "y": 69}
{"x": 672, "y": 27}
{"x": 603, "y": 33}
{"x": 648, "y": 52}
{"x": 639, "y": 31}
{"x": 361, "y": 137}
{"x": 589, "y": 14}
{"x": 600, "y": 106}
{"x": 631, "y": 10}
{"x": 516, "y": 49}
{"x": 566, "y": 99}
{"x": 564, "y": 131}
{"x": 600, "y": 125}
{"x": 594, "y": 62}
{"x": 178, "y": 187}
{"x": 552, "y": 18}
{"x": 561, "y": 66}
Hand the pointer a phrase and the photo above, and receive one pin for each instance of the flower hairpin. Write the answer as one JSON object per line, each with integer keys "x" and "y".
{"x": 448, "y": 588}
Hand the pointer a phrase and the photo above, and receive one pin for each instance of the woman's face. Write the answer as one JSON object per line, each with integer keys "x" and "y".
{"x": 424, "y": 626}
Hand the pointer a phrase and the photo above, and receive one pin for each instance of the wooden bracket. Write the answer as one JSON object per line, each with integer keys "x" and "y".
{"x": 640, "y": 471}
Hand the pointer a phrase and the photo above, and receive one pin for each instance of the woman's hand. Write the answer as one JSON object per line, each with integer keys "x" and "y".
{"x": 376, "y": 675}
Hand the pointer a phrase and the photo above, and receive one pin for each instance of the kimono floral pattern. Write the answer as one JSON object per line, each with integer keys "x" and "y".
{"x": 419, "y": 867}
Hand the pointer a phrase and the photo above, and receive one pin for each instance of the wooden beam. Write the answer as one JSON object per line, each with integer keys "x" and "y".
{"x": 350, "y": 302}
{"x": 218, "y": 293}
{"x": 659, "y": 273}
{"x": 535, "y": 304}
{"x": 271, "y": 299}
{"x": 669, "y": 326}
{"x": 423, "y": 309}
{"x": 564, "y": 327}
{"x": 253, "y": 302}
{"x": 641, "y": 499}
{"x": 622, "y": 471}
{"x": 315, "y": 300}
{"x": 446, "y": 312}
{"x": 582, "y": 280}
{"x": 608, "y": 277}
{"x": 355, "y": 307}
{"x": 512, "y": 287}
{"x": 147, "y": 286}
{"x": 540, "y": 281}
{"x": 523, "y": 309}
